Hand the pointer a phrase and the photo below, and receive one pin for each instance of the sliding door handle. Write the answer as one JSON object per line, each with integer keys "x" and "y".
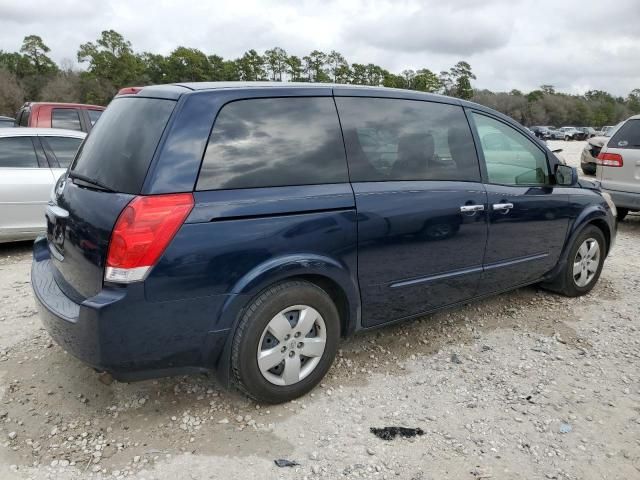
{"x": 504, "y": 207}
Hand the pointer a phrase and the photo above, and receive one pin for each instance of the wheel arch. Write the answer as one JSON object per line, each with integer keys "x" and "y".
{"x": 335, "y": 278}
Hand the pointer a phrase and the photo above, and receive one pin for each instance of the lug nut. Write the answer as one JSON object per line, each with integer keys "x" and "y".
{"x": 297, "y": 334}
{"x": 292, "y": 353}
{"x": 300, "y": 345}
{"x": 283, "y": 349}
{"x": 287, "y": 337}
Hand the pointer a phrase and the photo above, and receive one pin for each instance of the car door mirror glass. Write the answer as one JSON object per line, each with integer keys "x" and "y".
{"x": 566, "y": 175}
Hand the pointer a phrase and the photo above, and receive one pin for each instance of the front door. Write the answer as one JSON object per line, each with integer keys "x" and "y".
{"x": 420, "y": 205}
{"x": 528, "y": 216}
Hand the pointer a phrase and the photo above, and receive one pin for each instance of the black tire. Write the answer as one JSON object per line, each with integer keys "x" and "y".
{"x": 565, "y": 282}
{"x": 589, "y": 169}
{"x": 622, "y": 213}
{"x": 245, "y": 372}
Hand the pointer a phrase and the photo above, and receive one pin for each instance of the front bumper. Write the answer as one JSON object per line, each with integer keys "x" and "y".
{"x": 120, "y": 332}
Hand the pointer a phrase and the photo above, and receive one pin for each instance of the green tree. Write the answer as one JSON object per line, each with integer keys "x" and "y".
{"x": 294, "y": 68}
{"x": 425, "y": 80}
{"x": 276, "y": 60}
{"x": 314, "y": 66}
{"x": 391, "y": 80}
{"x": 35, "y": 52}
{"x": 633, "y": 100}
{"x": 251, "y": 66}
{"x": 338, "y": 67}
{"x": 374, "y": 75}
{"x": 154, "y": 68}
{"x": 461, "y": 76}
{"x": 111, "y": 59}
{"x": 358, "y": 74}
{"x": 187, "y": 65}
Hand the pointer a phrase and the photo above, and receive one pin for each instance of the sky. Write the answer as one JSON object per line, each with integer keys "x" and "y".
{"x": 575, "y": 45}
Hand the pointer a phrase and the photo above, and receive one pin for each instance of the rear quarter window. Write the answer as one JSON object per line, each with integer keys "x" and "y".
{"x": 405, "y": 140}
{"x": 627, "y": 136}
{"x": 118, "y": 151}
{"x": 270, "y": 142}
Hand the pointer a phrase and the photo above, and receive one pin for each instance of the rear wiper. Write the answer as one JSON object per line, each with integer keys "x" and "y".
{"x": 85, "y": 181}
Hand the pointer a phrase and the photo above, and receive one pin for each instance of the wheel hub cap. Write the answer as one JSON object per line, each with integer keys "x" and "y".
{"x": 291, "y": 345}
{"x": 586, "y": 262}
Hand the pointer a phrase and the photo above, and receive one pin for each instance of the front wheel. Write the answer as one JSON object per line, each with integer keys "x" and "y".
{"x": 285, "y": 342}
{"x": 584, "y": 264}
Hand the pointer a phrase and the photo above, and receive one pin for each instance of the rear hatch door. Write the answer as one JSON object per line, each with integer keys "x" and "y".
{"x": 107, "y": 173}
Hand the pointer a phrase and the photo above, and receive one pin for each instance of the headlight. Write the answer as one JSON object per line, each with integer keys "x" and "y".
{"x": 609, "y": 201}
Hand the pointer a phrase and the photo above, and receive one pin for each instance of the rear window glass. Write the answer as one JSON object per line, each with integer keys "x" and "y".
{"x": 272, "y": 142}
{"x": 119, "y": 149}
{"x": 627, "y": 136}
{"x": 64, "y": 148}
{"x": 67, "y": 118}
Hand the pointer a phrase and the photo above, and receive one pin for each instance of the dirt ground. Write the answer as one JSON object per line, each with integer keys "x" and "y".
{"x": 527, "y": 385}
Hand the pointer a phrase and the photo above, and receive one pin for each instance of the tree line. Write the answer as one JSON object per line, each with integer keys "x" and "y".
{"x": 111, "y": 63}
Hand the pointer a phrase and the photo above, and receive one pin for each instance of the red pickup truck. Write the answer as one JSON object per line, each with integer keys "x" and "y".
{"x": 71, "y": 116}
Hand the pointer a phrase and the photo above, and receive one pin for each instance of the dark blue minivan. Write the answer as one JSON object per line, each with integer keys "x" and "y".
{"x": 245, "y": 227}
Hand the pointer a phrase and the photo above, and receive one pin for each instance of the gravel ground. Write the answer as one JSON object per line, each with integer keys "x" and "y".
{"x": 525, "y": 385}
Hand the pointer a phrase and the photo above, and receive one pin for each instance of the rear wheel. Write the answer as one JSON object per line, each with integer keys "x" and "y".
{"x": 285, "y": 342}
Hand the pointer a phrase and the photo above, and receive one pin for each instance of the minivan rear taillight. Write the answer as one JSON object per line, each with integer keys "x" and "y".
{"x": 609, "y": 159}
{"x": 142, "y": 233}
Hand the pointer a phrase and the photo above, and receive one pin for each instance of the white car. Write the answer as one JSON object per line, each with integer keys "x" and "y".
{"x": 618, "y": 166}
{"x": 31, "y": 160}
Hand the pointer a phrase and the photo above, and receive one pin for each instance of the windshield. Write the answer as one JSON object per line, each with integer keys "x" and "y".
{"x": 118, "y": 151}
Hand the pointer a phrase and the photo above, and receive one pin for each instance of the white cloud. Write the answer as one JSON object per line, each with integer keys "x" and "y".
{"x": 574, "y": 45}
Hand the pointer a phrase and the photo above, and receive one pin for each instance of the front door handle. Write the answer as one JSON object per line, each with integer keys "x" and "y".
{"x": 471, "y": 208}
{"x": 504, "y": 207}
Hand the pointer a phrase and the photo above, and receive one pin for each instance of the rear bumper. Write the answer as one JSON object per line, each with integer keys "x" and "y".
{"x": 624, "y": 199}
{"x": 120, "y": 332}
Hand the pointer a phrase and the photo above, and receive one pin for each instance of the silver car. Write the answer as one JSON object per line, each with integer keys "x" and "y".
{"x": 31, "y": 160}
{"x": 618, "y": 167}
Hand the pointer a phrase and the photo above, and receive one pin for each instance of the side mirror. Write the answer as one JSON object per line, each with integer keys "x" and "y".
{"x": 566, "y": 176}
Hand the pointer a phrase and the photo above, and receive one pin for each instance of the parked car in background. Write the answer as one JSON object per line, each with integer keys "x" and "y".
{"x": 68, "y": 116}
{"x": 6, "y": 122}
{"x": 603, "y": 132}
{"x": 618, "y": 166}
{"x": 572, "y": 133}
{"x": 31, "y": 160}
{"x": 541, "y": 132}
{"x": 588, "y": 132}
{"x": 591, "y": 150}
{"x": 271, "y": 219}
{"x": 557, "y": 134}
